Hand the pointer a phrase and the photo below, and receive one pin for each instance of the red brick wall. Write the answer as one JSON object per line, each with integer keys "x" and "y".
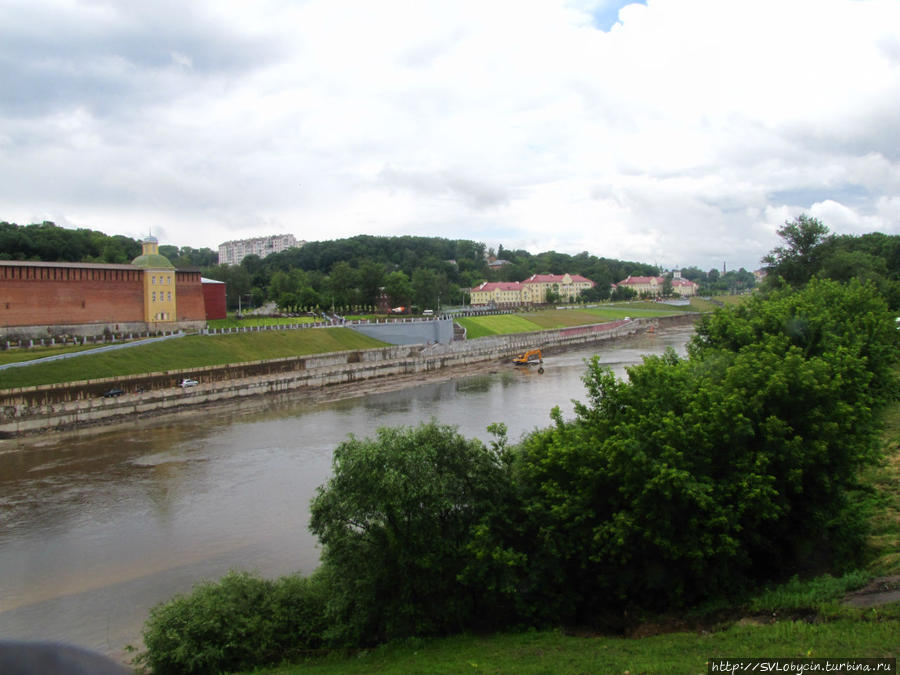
{"x": 67, "y": 294}
{"x": 75, "y": 296}
{"x": 189, "y": 303}
{"x": 214, "y": 299}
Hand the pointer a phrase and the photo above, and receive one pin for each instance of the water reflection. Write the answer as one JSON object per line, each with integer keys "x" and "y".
{"x": 96, "y": 528}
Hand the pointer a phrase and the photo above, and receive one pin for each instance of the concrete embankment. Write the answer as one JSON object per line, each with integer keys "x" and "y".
{"x": 73, "y": 405}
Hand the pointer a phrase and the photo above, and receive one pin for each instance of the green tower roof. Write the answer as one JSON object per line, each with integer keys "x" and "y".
{"x": 152, "y": 260}
{"x": 151, "y": 257}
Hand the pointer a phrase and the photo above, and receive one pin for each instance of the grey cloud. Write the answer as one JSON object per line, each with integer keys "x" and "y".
{"x": 805, "y": 197}
{"x": 477, "y": 194}
{"x": 59, "y": 58}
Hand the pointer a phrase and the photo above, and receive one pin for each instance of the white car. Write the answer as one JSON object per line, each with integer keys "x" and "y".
{"x": 188, "y": 382}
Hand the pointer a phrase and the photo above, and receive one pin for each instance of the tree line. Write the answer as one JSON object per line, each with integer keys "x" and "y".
{"x": 695, "y": 478}
{"x": 351, "y": 272}
{"x": 50, "y": 243}
{"x": 432, "y": 271}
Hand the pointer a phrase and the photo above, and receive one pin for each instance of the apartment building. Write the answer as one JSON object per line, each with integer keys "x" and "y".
{"x": 232, "y": 252}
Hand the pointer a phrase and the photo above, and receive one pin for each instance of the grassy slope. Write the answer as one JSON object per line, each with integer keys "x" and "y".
{"x": 189, "y": 352}
{"x": 503, "y": 324}
{"x": 267, "y": 345}
{"x": 869, "y": 634}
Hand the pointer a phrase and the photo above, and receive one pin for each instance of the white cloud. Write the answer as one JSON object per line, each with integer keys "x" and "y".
{"x": 681, "y": 131}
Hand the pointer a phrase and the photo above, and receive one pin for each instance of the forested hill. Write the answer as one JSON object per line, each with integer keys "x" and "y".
{"x": 50, "y": 243}
{"x": 342, "y": 272}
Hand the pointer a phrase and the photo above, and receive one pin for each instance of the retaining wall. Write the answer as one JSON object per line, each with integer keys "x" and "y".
{"x": 71, "y": 405}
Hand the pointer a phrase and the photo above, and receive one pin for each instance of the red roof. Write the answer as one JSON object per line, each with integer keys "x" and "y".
{"x": 491, "y": 286}
{"x": 649, "y": 280}
{"x": 640, "y": 280}
{"x": 556, "y": 279}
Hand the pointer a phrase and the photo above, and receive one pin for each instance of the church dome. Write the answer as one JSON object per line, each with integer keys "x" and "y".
{"x": 151, "y": 256}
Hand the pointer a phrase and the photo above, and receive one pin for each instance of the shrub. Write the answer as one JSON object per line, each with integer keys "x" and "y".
{"x": 236, "y": 623}
{"x": 700, "y": 476}
{"x": 395, "y": 522}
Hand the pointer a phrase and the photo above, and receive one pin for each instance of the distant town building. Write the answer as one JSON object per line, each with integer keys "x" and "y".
{"x": 497, "y": 294}
{"x": 532, "y": 291}
{"x": 653, "y": 286}
{"x": 232, "y": 252}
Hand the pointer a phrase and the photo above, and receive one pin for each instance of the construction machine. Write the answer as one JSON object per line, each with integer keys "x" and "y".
{"x": 530, "y": 358}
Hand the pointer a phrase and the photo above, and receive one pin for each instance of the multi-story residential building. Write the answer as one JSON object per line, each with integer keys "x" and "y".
{"x": 532, "y": 291}
{"x": 497, "y": 293}
{"x": 232, "y": 252}
{"x": 566, "y": 287}
{"x": 653, "y": 286}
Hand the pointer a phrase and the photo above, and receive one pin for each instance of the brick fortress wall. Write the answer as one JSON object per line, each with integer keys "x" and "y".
{"x": 42, "y": 298}
{"x": 32, "y": 294}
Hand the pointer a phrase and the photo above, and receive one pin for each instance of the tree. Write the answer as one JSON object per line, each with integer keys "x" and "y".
{"x": 395, "y": 521}
{"x": 667, "y": 286}
{"x": 798, "y": 259}
{"x": 398, "y": 288}
{"x": 342, "y": 282}
{"x": 623, "y": 293}
{"x": 425, "y": 288}
{"x": 371, "y": 279}
{"x": 699, "y": 476}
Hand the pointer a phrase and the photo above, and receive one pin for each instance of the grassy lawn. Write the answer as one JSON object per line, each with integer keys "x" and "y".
{"x": 500, "y": 324}
{"x": 193, "y": 351}
{"x": 884, "y": 481}
{"x": 231, "y": 322}
{"x": 16, "y": 355}
{"x": 526, "y": 322}
{"x": 861, "y": 633}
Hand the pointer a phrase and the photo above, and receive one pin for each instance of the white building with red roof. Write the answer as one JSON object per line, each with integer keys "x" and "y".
{"x": 566, "y": 287}
{"x": 497, "y": 293}
{"x": 532, "y": 291}
{"x": 653, "y": 285}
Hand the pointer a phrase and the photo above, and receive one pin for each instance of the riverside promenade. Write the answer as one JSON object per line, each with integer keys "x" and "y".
{"x": 74, "y": 405}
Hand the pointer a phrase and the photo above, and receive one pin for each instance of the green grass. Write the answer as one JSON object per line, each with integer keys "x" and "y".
{"x": 865, "y": 633}
{"x": 884, "y": 482}
{"x": 500, "y": 324}
{"x": 819, "y": 594}
{"x": 193, "y": 351}
{"x": 232, "y": 322}
{"x": 526, "y": 322}
{"x": 16, "y": 355}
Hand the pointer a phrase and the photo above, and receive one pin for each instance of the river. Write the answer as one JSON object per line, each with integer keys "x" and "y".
{"x": 96, "y": 528}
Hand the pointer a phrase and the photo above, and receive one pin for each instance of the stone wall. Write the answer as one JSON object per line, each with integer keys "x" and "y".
{"x": 408, "y": 333}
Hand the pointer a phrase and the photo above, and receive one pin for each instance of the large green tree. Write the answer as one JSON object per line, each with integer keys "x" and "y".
{"x": 799, "y": 257}
{"x": 395, "y": 521}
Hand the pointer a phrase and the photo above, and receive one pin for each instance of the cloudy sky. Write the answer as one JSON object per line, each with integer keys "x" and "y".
{"x": 682, "y": 132}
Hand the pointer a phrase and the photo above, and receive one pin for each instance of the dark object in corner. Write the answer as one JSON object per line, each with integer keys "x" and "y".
{"x": 50, "y": 658}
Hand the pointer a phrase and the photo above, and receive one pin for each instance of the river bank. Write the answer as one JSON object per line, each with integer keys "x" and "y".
{"x": 36, "y": 410}
{"x": 102, "y": 523}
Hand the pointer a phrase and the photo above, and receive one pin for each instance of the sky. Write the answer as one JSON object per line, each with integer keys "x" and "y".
{"x": 675, "y": 132}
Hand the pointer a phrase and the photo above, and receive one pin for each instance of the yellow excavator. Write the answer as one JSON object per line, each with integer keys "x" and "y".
{"x": 530, "y": 358}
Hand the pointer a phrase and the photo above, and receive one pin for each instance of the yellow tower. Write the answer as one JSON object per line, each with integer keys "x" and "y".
{"x": 159, "y": 283}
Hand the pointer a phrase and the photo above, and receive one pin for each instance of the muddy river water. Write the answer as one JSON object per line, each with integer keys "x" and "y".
{"x": 96, "y": 528}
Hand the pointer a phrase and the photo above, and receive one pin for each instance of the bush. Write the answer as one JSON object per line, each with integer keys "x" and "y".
{"x": 236, "y": 623}
{"x": 700, "y": 476}
{"x": 395, "y": 523}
